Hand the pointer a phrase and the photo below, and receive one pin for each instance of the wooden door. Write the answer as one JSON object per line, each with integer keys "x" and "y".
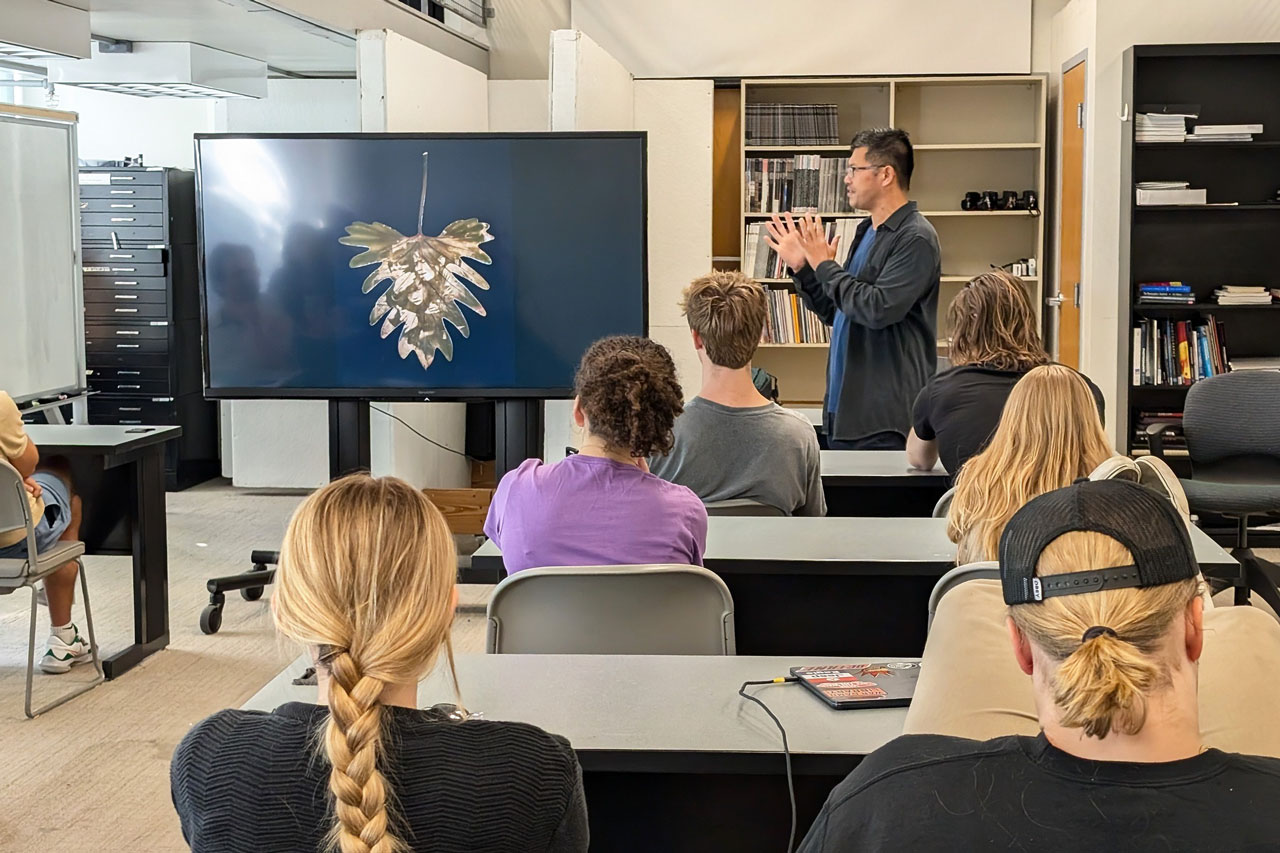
{"x": 1069, "y": 280}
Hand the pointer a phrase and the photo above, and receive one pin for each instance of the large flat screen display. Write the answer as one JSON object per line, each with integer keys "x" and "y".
{"x": 390, "y": 266}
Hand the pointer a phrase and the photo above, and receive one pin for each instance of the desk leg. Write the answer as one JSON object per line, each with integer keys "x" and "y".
{"x": 150, "y": 566}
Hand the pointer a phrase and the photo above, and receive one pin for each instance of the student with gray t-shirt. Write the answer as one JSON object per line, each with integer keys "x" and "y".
{"x": 731, "y": 442}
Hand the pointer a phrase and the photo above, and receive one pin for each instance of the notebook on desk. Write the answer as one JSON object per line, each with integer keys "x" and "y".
{"x": 861, "y": 685}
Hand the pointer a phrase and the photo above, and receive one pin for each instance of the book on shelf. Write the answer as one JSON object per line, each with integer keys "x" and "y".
{"x": 792, "y": 124}
{"x": 1178, "y": 352}
{"x": 1223, "y": 132}
{"x": 759, "y": 261}
{"x": 1165, "y": 293}
{"x": 1234, "y": 294}
{"x": 1172, "y": 436}
{"x": 1169, "y": 192}
{"x": 790, "y": 322}
{"x": 805, "y": 183}
{"x": 1256, "y": 363}
{"x": 1158, "y": 127}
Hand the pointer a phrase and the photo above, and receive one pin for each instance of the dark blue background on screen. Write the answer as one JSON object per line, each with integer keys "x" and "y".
{"x": 284, "y": 311}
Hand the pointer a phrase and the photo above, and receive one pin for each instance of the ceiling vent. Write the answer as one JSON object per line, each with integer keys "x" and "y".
{"x": 166, "y": 70}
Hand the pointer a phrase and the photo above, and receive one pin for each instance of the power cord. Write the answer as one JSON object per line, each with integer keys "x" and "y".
{"x": 418, "y": 434}
{"x": 786, "y": 749}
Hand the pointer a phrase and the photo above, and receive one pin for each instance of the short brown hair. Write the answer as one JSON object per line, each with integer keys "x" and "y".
{"x": 628, "y": 390}
{"x": 727, "y": 310}
{"x": 992, "y": 323}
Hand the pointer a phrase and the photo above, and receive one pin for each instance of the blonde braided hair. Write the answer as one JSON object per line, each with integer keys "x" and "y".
{"x": 366, "y": 576}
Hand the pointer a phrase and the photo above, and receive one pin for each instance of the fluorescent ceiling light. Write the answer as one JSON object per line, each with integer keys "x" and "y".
{"x": 17, "y": 51}
{"x": 166, "y": 70}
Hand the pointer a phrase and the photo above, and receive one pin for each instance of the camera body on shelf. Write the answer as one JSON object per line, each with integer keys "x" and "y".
{"x": 988, "y": 200}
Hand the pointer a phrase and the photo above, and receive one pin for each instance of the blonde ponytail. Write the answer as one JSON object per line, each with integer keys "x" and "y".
{"x": 1102, "y": 682}
{"x": 366, "y": 576}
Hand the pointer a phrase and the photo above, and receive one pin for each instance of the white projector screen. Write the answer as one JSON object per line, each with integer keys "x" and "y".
{"x": 42, "y": 323}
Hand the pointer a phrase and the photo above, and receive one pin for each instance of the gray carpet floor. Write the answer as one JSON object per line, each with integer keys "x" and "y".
{"x": 93, "y": 775}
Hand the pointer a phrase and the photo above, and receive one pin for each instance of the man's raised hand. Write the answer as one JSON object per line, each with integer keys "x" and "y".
{"x": 783, "y": 236}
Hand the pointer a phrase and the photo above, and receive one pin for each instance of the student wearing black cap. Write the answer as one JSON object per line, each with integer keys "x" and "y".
{"x": 1106, "y": 618}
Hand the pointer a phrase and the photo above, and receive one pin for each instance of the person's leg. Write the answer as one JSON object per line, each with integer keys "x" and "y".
{"x": 61, "y": 522}
{"x": 60, "y": 587}
{"x": 875, "y": 441}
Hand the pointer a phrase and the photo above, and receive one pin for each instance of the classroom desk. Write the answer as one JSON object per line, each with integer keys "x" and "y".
{"x": 672, "y": 758}
{"x": 119, "y": 475}
{"x": 831, "y": 586}
{"x": 879, "y": 483}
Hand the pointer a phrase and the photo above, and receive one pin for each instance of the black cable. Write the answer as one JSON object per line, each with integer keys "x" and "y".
{"x": 418, "y": 434}
{"x": 786, "y": 749}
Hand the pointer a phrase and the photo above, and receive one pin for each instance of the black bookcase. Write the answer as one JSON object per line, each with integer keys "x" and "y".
{"x": 142, "y": 311}
{"x": 1203, "y": 247}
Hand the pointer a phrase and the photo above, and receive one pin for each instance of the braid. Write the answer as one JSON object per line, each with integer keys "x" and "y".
{"x": 353, "y": 742}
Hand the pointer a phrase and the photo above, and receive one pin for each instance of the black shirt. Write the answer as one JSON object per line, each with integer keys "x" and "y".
{"x": 960, "y": 408}
{"x": 891, "y": 346}
{"x": 252, "y": 782}
{"x": 935, "y": 793}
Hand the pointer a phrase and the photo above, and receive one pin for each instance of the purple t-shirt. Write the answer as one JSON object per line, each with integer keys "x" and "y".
{"x": 591, "y": 511}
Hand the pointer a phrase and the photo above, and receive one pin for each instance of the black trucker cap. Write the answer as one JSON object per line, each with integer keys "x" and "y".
{"x": 1137, "y": 517}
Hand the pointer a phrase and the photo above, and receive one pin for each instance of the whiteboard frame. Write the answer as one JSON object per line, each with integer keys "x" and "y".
{"x": 66, "y": 121}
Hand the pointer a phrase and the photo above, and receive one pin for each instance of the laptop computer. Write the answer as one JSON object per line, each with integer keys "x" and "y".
{"x": 889, "y": 684}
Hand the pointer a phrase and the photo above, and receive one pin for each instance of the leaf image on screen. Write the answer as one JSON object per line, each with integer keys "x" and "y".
{"x": 426, "y": 275}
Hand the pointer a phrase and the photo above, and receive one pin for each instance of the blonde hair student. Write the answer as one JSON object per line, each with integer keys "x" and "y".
{"x": 366, "y": 582}
{"x": 1049, "y": 436}
{"x": 1105, "y": 617}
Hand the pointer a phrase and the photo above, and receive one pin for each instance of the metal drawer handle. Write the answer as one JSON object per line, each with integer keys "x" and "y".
{"x": 126, "y": 310}
{"x": 122, "y": 177}
{"x": 122, "y": 192}
{"x": 130, "y": 408}
{"x": 128, "y": 372}
{"x": 123, "y": 332}
{"x": 124, "y": 269}
{"x": 130, "y": 422}
{"x": 125, "y": 295}
{"x": 124, "y": 282}
{"x": 123, "y": 205}
{"x": 127, "y": 346}
{"x": 136, "y": 387}
{"x": 123, "y": 219}
{"x": 122, "y": 257}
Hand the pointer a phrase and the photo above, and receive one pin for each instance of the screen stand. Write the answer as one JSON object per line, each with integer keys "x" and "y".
{"x": 348, "y": 437}
{"x": 517, "y": 433}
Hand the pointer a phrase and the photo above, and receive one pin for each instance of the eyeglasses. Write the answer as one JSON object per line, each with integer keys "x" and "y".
{"x": 849, "y": 170}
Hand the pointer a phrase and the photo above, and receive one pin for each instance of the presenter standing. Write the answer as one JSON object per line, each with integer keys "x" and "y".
{"x": 881, "y": 306}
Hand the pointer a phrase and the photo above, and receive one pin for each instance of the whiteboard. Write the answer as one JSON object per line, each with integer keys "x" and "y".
{"x": 42, "y": 314}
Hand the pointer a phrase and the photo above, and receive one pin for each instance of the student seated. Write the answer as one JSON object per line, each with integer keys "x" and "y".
{"x": 1105, "y": 617}
{"x": 994, "y": 342}
{"x": 601, "y": 506}
{"x": 366, "y": 581}
{"x": 1048, "y": 437}
{"x": 731, "y": 442}
{"x": 55, "y": 511}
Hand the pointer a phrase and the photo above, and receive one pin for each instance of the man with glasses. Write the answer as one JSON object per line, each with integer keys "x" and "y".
{"x": 882, "y": 305}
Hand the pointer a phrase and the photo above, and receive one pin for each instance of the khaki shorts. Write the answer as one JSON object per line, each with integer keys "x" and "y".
{"x": 971, "y": 686}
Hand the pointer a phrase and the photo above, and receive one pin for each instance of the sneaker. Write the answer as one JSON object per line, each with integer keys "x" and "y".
{"x": 1155, "y": 474}
{"x": 60, "y": 656}
{"x": 1117, "y": 468}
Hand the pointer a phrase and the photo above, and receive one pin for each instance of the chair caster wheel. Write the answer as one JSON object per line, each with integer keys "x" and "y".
{"x": 251, "y": 593}
{"x": 211, "y": 619}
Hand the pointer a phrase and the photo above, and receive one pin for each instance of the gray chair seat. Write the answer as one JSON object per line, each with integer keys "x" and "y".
{"x": 49, "y": 559}
{"x": 1231, "y": 498}
{"x": 742, "y": 506}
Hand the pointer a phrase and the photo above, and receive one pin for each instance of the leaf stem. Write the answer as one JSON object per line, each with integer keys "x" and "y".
{"x": 422, "y": 204}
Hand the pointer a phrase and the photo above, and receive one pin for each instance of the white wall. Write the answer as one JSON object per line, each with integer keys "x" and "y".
{"x": 115, "y": 126}
{"x": 406, "y": 87}
{"x": 283, "y": 443}
{"x": 733, "y": 38}
{"x": 1116, "y": 27}
{"x": 590, "y": 90}
{"x": 518, "y": 105}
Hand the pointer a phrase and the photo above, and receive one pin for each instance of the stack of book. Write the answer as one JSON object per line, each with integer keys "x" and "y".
{"x": 1223, "y": 132}
{"x": 1178, "y": 352}
{"x": 761, "y": 262}
{"x": 1160, "y": 127}
{"x": 1169, "y": 192}
{"x": 792, "y": 124}
{"x": 807, "y": 183}
{"x": 1172, "y": 434}
{"x": 790, "y": 322}
{"x": 1165, "y": 293}
{"x": 1234, "y": 294}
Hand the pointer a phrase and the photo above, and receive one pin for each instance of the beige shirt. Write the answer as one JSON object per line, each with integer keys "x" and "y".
{"x": 13, "y": 443}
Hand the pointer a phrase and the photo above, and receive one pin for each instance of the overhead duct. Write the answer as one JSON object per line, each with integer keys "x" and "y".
{"x": 166, "y": 70}
{"x": 41, "y": 29}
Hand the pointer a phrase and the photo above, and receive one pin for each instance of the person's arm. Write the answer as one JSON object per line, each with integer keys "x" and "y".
{"x": 921, "y": 454}
{"x": 15, "y": 445}
{"x": 573, "y": 834}
{"x": 814, "y": 295}
{"x": 907, "y": 275}
{"x": 787, "y": 237}
{"x": 815, "y": 500}
{"x": 698, "y": 530}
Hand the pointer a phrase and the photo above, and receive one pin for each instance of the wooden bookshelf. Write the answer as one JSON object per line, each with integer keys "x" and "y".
{"x": 970, "y": 134}
{"x": 1203, "y": 246}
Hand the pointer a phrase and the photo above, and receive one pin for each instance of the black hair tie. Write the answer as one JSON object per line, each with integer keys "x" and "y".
{"x": 1097, "y": 631}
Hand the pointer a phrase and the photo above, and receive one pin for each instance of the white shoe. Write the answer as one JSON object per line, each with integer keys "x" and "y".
{"x": 1155, "y": 474}
{"x": 1117, "y": 468}
{"x": 60, "y": 656}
